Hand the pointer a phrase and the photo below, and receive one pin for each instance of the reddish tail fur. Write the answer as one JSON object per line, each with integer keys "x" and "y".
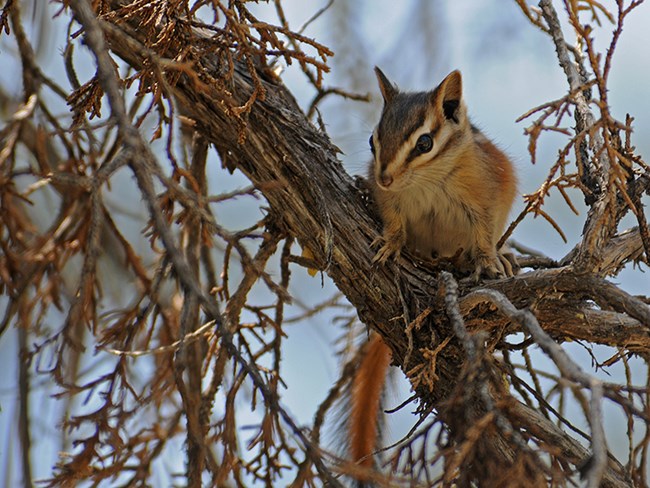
{"x": 367, "y": 387}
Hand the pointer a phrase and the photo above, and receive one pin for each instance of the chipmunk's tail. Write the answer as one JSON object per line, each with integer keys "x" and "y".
{"x": 367, "y": 387}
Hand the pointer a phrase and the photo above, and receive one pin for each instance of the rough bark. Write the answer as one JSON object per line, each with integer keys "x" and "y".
{"x": 329, "y": 213}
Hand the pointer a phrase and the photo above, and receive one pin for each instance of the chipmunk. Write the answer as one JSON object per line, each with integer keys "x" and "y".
{"x": 442, "y": 188}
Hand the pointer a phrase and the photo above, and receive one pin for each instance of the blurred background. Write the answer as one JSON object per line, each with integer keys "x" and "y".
{"x": 508, "y": 67}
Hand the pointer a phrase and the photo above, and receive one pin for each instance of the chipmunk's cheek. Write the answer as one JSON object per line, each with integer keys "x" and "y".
{"x": 402, "y": 180}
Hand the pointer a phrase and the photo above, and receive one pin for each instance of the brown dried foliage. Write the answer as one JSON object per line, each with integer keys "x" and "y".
{"x": 599, "y": 140}
{"x": 156, "y": 337}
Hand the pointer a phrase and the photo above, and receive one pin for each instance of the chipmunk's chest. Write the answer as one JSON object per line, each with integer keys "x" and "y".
{"x": 435, "y": 221}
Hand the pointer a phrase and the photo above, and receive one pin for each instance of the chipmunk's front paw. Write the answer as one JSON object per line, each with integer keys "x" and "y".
{"x": 497, "y": 266}
{"x": 509, "y": 261}
{"x": 390, "y": 249}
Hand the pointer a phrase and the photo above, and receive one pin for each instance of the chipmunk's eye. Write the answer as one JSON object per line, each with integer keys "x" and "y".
{"x": 424, "y": 144}
{"x": 372, "y": 144}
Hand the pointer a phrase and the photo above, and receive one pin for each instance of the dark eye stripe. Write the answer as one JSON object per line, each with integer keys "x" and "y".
{"x": 412, "y": 155}
{"x": 416, "y": 151}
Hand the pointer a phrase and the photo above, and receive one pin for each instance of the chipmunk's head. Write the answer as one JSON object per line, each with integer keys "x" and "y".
{"x": 417, "y": 132}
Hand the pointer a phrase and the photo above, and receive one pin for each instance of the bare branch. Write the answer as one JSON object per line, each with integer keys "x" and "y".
{"x": 142, "y": 283}
{"x": 568, "y": 369}
{"x": 599, "y": 226}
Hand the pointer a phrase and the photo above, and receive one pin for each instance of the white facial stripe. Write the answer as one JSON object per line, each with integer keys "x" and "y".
{"x": 442, "y": 136}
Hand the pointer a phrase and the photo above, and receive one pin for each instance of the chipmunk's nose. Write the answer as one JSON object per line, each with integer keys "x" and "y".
{"x": 385, "y": 180}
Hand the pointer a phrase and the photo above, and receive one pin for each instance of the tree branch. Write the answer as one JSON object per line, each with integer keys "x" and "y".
{"x": 295, "y": 167}
{"x": 598, "y": 462}
{"x": 600, "y": 223}
{"x": 320, "y": 205}
{"x": 141, "y": 158}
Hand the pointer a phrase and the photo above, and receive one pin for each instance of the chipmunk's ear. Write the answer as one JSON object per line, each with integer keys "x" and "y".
{"x": 447, "y": 97}
{"x": 388, "y": 90}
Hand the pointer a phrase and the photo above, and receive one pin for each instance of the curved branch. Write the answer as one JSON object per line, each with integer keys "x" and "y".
{"x": 320, "y": 205}
{"x": 323, "y": 208}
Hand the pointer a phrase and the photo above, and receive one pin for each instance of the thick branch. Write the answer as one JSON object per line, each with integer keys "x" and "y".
{"x": 295, "y": 167}
{"x": 321, "y": 206}
{"x": 316, "y": 199}
{"x": 620, "y": 250}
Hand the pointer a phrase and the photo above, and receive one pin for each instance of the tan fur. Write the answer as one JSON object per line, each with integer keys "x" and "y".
{"x": 456, "y": 196}
{"x": 367, "y": 386}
